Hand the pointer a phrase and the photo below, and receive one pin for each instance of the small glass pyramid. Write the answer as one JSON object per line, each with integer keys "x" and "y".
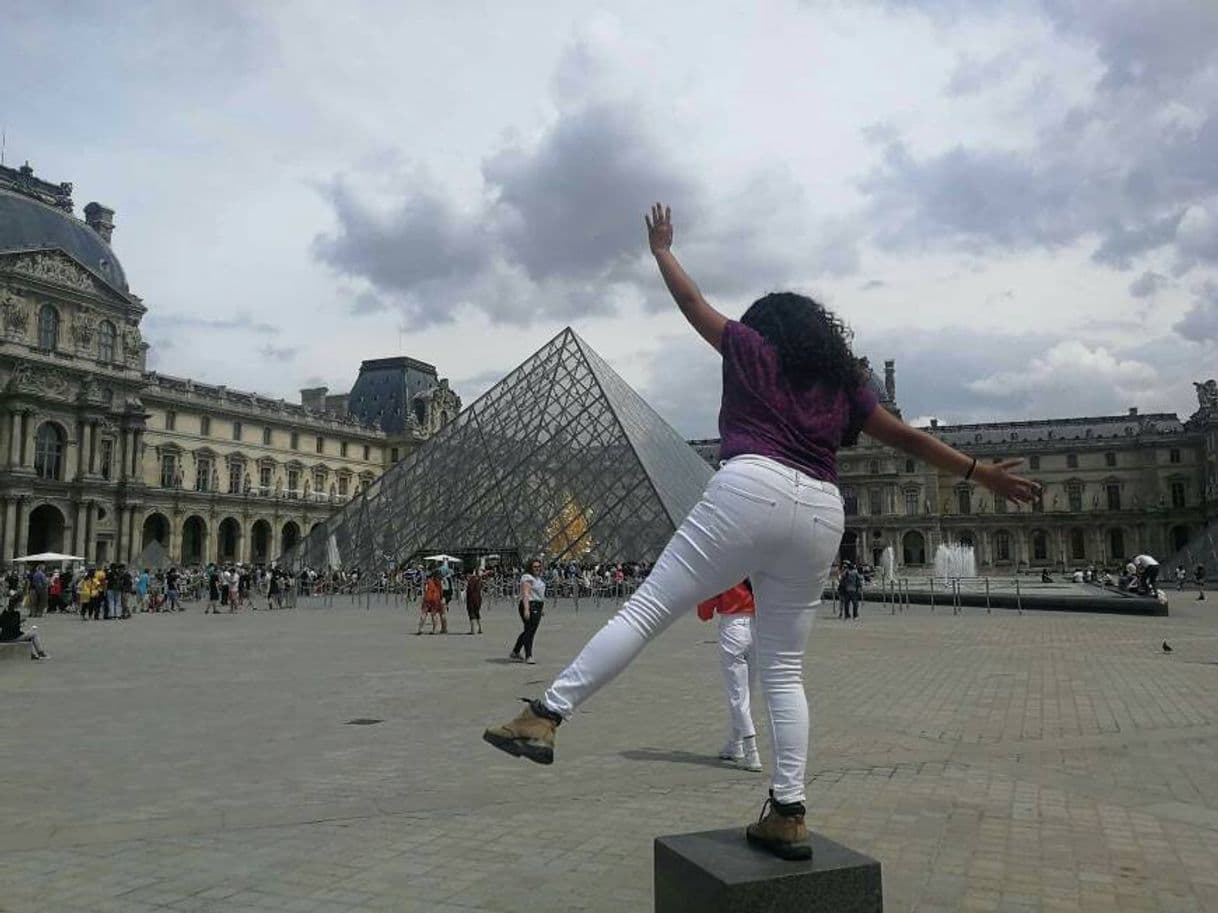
{"x": 561, "y": 459}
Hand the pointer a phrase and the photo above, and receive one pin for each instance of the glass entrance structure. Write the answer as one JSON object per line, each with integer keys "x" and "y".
{"x": 561, "y": 459}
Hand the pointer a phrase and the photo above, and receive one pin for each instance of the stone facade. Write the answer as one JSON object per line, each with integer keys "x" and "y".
{"x": 1114, "y": 486}
{"x": 100, "y": 457}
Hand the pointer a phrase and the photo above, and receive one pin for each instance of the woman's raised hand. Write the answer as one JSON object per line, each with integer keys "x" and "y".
{"x": 998, "y": 478}
{"x": 659, "y": 228}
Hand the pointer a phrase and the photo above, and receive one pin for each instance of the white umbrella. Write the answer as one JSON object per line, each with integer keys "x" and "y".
{"x": 442, "y": 558}
{"x": 48, "y": 558}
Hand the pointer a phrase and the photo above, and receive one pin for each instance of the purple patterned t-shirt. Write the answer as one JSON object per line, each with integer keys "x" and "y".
{"x": 763, "y": 414}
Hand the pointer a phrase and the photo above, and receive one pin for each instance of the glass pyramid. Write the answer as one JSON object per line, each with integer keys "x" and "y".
{"x": 560, "y": 459}
{"x": 1201, "y": 549}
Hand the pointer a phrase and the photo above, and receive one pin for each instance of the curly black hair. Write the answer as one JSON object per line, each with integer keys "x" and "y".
{"x": 812, "y": 342}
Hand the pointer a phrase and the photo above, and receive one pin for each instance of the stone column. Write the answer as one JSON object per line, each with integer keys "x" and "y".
{"x": 121, "y": 515}
{"x": 133, "y": 544}
{"x": 246, "y": 549}
{"x": 92, "y": 447}
{"x": 90, "y": 552}
{"x": 27, "y": 447}
{"x": 23, "y": 527}
{"x": 137, "y": 441}
{"x": 78, "y": 453}
{"x": 86, "y": 446}
{"x": 78, "y": 531}
{"x": 14, "y": 438}
{"x": 175, "y": 538}
{"x": 6, "y": 524}
{"x": 124, "y": 455}
{"x": 213, "y": 540}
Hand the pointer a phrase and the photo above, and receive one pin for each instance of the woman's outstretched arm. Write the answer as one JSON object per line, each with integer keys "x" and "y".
{"x": 705, "y": 319}
{"x": 888, "y": 429}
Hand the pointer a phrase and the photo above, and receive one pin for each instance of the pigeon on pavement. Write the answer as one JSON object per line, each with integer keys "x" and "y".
{"x": 1166, "y": 647}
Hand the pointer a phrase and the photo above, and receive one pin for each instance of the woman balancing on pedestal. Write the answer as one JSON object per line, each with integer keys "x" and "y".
{"x": 793, "y": 394}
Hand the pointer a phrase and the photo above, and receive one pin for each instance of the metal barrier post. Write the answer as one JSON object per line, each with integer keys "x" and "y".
{"x": 955, "y": 595}
{"x": 932, "y": 593}
{"x": 987, "y": 595}
{"x": 1018, "y": 598}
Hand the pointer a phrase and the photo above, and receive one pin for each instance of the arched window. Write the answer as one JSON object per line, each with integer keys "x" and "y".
{"x": 1040, "y": 546}
{"x": 913, "y": 548}
{"x": 48, "y": 328}
{"x": 1002, "y": 545}
{"x": 1078, "y": 545}
{"x": 107, "y": 335}
{"x": 48, "y": 452}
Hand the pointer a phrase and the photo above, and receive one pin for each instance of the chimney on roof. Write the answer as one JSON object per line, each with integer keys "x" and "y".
{"x": 890, "y": 380}
{"x": 314, "y": 398}
{"x": 934, "y": 423}
{"x": 101, "y": 219}
{"x": 1133, "y": 410}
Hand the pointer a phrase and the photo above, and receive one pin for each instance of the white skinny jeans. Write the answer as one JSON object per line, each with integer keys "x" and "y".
{"x": 757, "y": 519}
{"x": 736, "y": 659}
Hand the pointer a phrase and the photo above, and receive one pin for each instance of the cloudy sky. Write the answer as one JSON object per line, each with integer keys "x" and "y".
{"x": 1017, "y": 201}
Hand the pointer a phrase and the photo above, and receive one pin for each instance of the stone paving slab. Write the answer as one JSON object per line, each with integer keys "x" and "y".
{"x": 1047, "y": 762}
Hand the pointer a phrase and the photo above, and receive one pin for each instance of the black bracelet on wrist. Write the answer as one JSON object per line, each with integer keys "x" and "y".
{"x": 968, "y": 475}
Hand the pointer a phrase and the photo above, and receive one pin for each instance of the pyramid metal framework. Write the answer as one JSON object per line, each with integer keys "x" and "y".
{"x": 1201, "y": 549}
{"x": 560, "y": 459}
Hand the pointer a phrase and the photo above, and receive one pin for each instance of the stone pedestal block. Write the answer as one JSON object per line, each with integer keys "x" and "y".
{"x": 718, "y": 872}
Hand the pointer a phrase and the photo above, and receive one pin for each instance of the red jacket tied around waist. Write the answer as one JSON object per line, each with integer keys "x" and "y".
{"x": 736, "y": 601}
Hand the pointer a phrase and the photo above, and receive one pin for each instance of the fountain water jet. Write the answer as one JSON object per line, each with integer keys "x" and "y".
{"x": 955, "y": 561}
{"x": 888, "y": 564}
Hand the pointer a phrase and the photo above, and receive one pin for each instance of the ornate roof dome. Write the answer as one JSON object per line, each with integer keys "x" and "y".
{"x": 28, "y": 223}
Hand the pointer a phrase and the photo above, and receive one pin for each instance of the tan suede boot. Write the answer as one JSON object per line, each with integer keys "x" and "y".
{"x": 530, "y": 735}
{"x": 781, "y": 830}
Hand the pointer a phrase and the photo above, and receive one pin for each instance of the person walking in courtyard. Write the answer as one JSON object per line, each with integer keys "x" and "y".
{"x": 173, "y": 584}
{"x": 446, "y": 584}
{"x": 850, "y": 589}
{"x": 735, "y": 610}
{"x": 114, "y": 592}
{"x": 1199, "y": 576}
{"x": 141, "y": 590}
{"x": 793, "y": 394}
{"x": 473, "y": 601}
{"x": 531, "y": 606}
{"x": 39, "y": 592}
{"x": 213, "y": 591}
{"x": 234, "y": 589}
{"x": 55, "y": 592}
{"x": 432, "y": 605}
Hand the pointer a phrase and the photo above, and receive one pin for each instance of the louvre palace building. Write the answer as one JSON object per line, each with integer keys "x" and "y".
{"x": 102, "y": 458}
{"x": 1114, "y": 486}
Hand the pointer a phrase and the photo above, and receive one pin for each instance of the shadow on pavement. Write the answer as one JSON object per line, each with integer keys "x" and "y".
{"x": 674, "y": 757}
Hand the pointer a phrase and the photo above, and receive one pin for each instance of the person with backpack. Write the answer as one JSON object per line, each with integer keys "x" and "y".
{"x": 850, "y": 590}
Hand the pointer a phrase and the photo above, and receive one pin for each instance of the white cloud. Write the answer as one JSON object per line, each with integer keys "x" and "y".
{"x": 1096, "y": 378}
{"x": 482, "y": 177}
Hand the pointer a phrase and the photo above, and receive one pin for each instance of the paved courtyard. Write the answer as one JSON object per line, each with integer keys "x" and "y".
{"x": 1049, "y": 762}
